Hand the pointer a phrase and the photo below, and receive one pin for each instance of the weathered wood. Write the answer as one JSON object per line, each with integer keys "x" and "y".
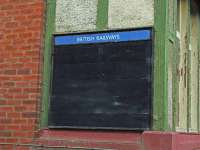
{"x": 194, "y": 70}
{"x": 183, "y": 108}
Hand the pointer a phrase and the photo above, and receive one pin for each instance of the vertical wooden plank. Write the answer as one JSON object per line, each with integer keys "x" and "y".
{"x": 50, "y": 25}
{"x": 194, "y": 69}
{"x": 160, "y": 99}
{"x": 198, "y": 25}
{"x": 182, "y": 91}
{"x": 102, "y": 15}
{"x": 176, "y": 60}
{"x": 172, "y": 63}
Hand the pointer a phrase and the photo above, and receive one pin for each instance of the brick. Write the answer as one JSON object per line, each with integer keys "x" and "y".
{"x": 2, "y": 140}
{"x": 5, "y": 134}
{"x": 26, "y": 11}
{"x": 21, "y": 96}
{"x": 20, "y": 108}
{"x": 6, "y": 7}
{"x": 13, "y": 102}
{"x": 28, "y": 127}
{"x": 11, "y": 36}
{"x": 32, "y": 77}
{"x": 8, "y": 84}
{"x": 24, "y": 60}
{"x": 29, "y": 114}
{"x": 8, "y": 95}
{"x": 17, "y": 65}
{"x": 26, "y": 35}
{"x": 24, "y": 71}
{"x": 20, "y": 134}
{"x": 2, "y": 127}
{"x": 31, "y": 90}
{"x": 2, "y": 114}
{"x": 6, "y": 147}
{"x": 2, "y": 102}
{"x": 16, "y": 78}
{"x": 15, "y": 90}
{"x": 13, "y": 127}
{"x": 13, "y": 115}
{"x": 11, "y": 140}
{"x": 19, "y": 121}
{"x": 6, "y": 108}
{"x": 10, "y": 72}
{"x": 30, "y": 102}
{"x": 11, "y": 25}
{"x": 17, "y": 54}
{"x": 5, "y": 121}
{"x": 21, "y": 36}
{"x": 25, "y": 140}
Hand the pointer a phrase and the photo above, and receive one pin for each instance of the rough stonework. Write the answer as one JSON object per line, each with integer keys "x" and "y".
{"x": 130, "y": 13}
{"x": 75, "y": 15}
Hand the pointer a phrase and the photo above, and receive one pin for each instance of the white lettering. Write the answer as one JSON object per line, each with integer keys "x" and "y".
{"x": 98, "y": 38}
{"x": 107, "y": 37}
{"x": 85, "y": 38}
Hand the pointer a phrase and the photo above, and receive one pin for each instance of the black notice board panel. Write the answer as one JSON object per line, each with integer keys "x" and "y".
{"x": 102, "y": 84}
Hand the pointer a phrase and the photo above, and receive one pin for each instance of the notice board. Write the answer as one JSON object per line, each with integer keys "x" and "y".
{"x": 102, "y": 80}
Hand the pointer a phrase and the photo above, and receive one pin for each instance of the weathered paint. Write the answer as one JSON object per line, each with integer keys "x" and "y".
{"x": 173, "y": 61}
{"x": 171, "y": 42}
{"x": 130, "y": 13}
{"x": 194, "y": 68}
{"x": 51, "y": 5}
{"x": 183, "y": 68}
{"x": 76, "y": 15}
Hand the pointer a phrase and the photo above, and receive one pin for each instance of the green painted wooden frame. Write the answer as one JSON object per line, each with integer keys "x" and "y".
{"x": 102, "y": 15}
{"x": 50, "y": 27}
{"x": 160, "y": 95}
{"x": 101, "y": 24}
{"x": 160, "y": 105}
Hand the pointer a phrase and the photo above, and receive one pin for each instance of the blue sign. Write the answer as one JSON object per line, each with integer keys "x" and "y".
{"x": 103, "y": 37}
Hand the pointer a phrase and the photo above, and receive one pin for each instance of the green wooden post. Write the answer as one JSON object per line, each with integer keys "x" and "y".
{"x": 50, "y": 26}
{"x": 102, "y": 15}
{"x": 160, "y": 101}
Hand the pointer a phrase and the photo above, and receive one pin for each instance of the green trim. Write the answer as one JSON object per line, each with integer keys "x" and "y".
{"x": 50, "y": 26}
{"x": 102, "y": 15}
{"x": 160, "y": 104}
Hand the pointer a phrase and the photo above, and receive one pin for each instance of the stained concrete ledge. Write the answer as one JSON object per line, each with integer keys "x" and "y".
{"x": 122, "y": 140}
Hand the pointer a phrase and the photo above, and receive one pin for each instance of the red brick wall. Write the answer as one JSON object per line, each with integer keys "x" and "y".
{"x": 21, "y": 38}
{"x": 21, "y": 47}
